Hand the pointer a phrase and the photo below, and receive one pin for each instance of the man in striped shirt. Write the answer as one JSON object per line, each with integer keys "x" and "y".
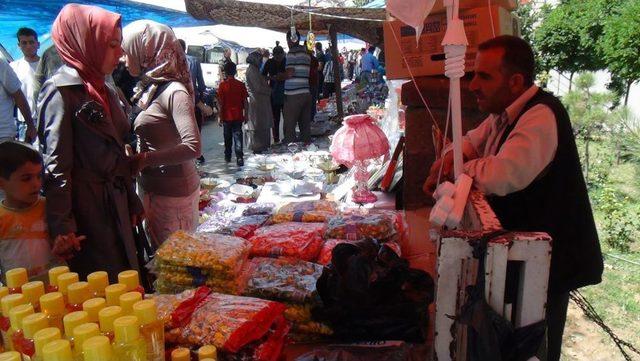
{"x": 297, "y": 102}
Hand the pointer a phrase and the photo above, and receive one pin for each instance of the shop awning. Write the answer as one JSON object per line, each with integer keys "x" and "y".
{"x": 40, "y": 14}
{"x": 361, "y": 23}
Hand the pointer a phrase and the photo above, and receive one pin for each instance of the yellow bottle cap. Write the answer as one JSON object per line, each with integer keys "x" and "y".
{"x": 130, "y": 279}
{"x": 207, "y": 351}
{"x": 45, "y": 336}
{"x": 97, "y": 348}
{"x": 33, "y": 291}
{"x": 146, "y": 311}
{"x": 126, "y": 329}
{"x": 93, "y": 306}
{"x": 55, "y": 272}
{"x": 65, "y": 280}
{"x": 72, "y": 320}
{"x": 98, "y": 281}
{"x": 16, "y": 277}
{"x": 52, "y": 303}
{"x": 127, "y": 300}
{"x": 10, "y": 356}
{"x": 4, "y": 291}
{"x": 78, "y": 292}
{"x": 181, "y": 354}
{"x": 83, "y": 333}
{"x": 34, "y": 323}
{"x": 107, "y": 315}
{"x": 58, "y": 350}
{"x": 113, "y": 292}
{"x": 10, "y": 301}
{"x": 18, "y": 313}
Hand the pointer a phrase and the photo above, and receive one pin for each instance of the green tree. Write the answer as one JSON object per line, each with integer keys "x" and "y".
{"x": 568, "y": 37}
{"x": 620, "y": 44}
{"x": 589, "y": 113}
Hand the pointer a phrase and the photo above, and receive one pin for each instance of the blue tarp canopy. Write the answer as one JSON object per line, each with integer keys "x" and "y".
{"x": 40, "y": 14}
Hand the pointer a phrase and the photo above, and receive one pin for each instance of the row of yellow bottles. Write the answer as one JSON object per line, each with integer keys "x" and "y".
{"x": 205, "y": 353}
{"x": 139, "y": 336}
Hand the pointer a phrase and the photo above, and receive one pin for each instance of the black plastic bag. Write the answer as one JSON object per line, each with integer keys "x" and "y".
{"x": 491, "y": 336}
{"x": 369, "y": 293}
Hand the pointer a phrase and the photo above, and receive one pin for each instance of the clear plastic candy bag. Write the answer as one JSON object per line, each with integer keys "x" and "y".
{"x": 306, "y": 211}
{"x": 208, "y": 251}
{"x": 357, "y": 226}
{"x": 282, "y": 279}
{"x": 292, "y": 239}
{"x": 201, "y": 317}
{"x": 243, "y": 226}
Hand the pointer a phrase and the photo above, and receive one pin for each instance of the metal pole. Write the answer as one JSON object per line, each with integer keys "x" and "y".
{"x": 336, "y": 70}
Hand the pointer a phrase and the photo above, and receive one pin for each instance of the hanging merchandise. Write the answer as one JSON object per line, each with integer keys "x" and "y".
{"x": 411, "y": 12}
{"x": 311, "y": 37}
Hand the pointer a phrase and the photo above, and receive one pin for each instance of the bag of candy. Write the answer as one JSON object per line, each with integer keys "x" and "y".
{"x": 306, "y": 211}
{"x": 292, "y": 239}
{"x": 281, "y": 279}
{"x": 359, "y": 226}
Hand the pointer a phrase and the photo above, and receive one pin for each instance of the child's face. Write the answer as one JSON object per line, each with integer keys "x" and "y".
{"x": 22, "y": 189}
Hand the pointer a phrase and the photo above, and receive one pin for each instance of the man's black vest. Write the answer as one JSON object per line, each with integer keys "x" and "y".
{"x": 557, "y": 203}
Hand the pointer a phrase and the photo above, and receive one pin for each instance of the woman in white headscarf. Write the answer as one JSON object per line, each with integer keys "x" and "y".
{"x": 166, "y": 127}
{"x": 260, "y": 120}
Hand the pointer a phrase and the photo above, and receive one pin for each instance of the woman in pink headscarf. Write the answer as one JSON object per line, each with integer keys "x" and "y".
{"x": 166, "y": 127}
{"x": 82, "y": 127}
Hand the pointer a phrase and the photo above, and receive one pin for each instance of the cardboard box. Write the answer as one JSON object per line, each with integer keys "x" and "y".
{"x": 510, "y": 5}
{"x": 427, "y": 57}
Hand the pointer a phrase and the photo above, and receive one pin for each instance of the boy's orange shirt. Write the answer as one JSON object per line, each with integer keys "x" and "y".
{"x": 24, "y": 239}
{"x": 232, "y": 95}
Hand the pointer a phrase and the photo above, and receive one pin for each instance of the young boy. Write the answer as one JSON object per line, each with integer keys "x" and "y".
{"x": 24, "y": 239}
{"x": 232, "y": 99}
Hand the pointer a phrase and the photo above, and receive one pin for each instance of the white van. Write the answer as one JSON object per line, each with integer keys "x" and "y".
{"x": 210, "y": 51}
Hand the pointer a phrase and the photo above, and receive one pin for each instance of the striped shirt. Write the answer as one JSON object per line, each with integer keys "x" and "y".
{"x": 299, "y": 61}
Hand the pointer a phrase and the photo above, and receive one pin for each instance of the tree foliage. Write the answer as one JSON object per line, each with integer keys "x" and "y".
{"x": 620, "y": 44}
{"x": 568, "y": 36}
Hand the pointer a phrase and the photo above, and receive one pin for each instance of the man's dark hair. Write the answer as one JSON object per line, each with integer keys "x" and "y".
{"x": 183, "y": 44}
{"x": 319, "y": 46}
{"x": 26, "y": 32}
{"x": 372, "y": 49}
{"x": 230, "y": 69}
{"x": 517, "y": 58}
{"x": 14, "y": 154}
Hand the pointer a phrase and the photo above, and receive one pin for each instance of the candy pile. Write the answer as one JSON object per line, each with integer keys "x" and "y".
{"x": 190, "y": 260}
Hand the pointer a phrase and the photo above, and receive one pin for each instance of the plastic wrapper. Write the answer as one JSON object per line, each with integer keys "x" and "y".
{"x": 207, "y": 251}
{"x": 307, "y": 211}
{"x": 234, "y": 226}
{"x": 292, "y": 239}
{"x": 259, "y": 208}
{"x": 355, "y": 226}
{"x": 302, "y": 323}
{"x": 175, "y": 282}
{"x": 200, "y": 317}
{"x": 282, "y": 279}
{"x": 399, "y": 222}
{"x": 327, "y": 248}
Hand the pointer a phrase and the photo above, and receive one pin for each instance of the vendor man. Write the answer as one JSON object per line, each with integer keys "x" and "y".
{"x": 524, "y": 158}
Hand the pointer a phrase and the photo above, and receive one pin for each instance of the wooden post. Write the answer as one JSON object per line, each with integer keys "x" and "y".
{"x": 336, "y": 70}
